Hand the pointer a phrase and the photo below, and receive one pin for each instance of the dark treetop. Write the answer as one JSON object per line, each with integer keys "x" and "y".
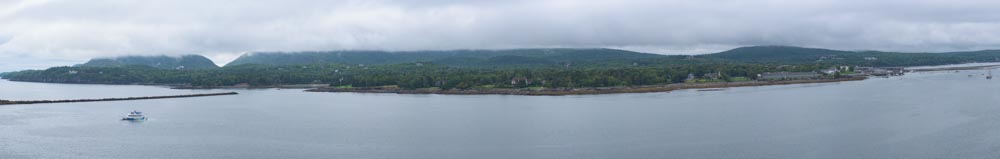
{"x": 163, "y": 62}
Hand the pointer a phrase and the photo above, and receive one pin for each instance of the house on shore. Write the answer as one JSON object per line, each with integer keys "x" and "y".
{"x": 830, "y": 71}
{"x": 845, "y": 68}
{"x": 525, "y": 81}
{"x": 714, "y": 76}
{"x": 788, "y": 75}
{"x": 880, "y": 71}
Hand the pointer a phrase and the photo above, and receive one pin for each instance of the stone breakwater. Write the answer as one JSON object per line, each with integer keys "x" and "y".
{"x": 6, "y": 102}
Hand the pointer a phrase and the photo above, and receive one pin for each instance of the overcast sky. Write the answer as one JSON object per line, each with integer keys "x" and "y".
{"x": 41, "y": 33}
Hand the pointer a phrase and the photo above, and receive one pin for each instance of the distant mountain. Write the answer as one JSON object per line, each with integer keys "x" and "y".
{"x": 801, "y": 55}
{"x": 162, "y": 62}
{"x": 450, "y": 57}
{"x": 613, "y": 57}
{"x": 777, "y": 53}
{"x": 463, "y": 69}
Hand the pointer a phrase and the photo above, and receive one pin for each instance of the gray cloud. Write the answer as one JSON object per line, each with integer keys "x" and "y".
{"x": 62, "y": 32}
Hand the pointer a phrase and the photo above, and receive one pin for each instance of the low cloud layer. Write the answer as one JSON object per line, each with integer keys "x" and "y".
{"x": 41, "y": 33}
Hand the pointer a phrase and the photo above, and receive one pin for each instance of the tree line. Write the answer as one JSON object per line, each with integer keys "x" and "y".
{"x": 406, "y": 75}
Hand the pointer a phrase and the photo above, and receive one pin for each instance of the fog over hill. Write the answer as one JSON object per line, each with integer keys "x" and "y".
{"x": 559, "y": 57}
{"x": 449, "y": 57}
{"x": 162, "y": 61}
{"x": 48, "y": 33}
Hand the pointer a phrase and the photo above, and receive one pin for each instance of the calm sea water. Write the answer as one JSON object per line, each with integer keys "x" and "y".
{"x": 924, "y": 115}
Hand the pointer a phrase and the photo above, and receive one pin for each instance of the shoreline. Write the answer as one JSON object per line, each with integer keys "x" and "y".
{"x": 283, "y": 86}
{"x": 583, "y": 91}
{"x": 543, "y": 91}
{"x": 623, "y": 89}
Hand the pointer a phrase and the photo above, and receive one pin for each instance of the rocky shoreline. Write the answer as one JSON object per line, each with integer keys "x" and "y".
{"x": 284, "y": 86}
{"x": 7, "y": 102}
{"x": 581, "y": 91}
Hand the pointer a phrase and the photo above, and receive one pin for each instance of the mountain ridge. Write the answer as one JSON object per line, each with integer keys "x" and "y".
{"x": 559, "y": 57}
{"x": 448, "y": 57}
{"x": 189, "y": 61}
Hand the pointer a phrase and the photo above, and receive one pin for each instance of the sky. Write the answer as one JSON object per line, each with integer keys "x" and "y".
{"x": 36, "y": 34}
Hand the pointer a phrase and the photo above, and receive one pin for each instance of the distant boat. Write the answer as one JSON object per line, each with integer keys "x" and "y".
{"x": 712, "y": 89}
{"x": 990, "y": 75}
{"x": 134, "y": 116}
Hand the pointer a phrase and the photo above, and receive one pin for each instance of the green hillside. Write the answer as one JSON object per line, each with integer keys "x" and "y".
{"x": 552, "y": 68}
{"x": 800, "y": 55}
{"x": 162, "y": 62}
{"x": 450, "y": 57}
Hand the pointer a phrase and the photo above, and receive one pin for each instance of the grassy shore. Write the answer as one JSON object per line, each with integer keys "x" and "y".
{"x": 580, "y": 91}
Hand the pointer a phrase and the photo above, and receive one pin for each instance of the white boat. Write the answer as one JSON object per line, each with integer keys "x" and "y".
{"x": 990, "y": 76}
{"x": 134, "y": 115}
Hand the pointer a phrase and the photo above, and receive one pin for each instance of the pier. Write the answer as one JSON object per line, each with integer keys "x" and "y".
{"x": 8, "y": 102}
{"x": 956, "y": 68}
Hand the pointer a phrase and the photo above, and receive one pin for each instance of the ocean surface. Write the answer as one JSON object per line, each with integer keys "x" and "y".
{"x": 920, "y": 115}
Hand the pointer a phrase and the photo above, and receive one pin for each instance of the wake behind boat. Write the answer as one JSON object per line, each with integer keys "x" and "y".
{"x": 134, "y": 116}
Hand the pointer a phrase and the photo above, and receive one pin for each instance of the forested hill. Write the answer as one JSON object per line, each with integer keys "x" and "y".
{"x": 450, "y": 57}
{"x": 462, "y": 69}
{"x": 800, "y": 55}
{"x": 776, "y": 54}
{"x": 615, "y": 58}
{"x": 162, "y": 62}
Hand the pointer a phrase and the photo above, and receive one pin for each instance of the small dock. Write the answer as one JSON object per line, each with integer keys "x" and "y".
{"x": 8, "y": 102}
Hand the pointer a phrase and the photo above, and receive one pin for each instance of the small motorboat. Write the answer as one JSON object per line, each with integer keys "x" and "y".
{"x": 990, "y": 75}
{"x": 712, "y": 89}
{"x": 134, "y": 116}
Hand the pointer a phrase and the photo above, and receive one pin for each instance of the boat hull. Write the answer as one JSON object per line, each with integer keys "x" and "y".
{"x": 134, "y": 119}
